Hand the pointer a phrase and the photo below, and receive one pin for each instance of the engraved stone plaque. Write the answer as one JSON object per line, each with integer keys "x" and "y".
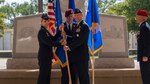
{"x": 114, "y": 34}
{"x": 25, "y": 36}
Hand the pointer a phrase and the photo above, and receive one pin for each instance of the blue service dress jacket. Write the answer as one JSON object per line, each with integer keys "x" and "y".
{"x": 79, "y": 46}
{"x": 46, "y": 42}
{"x": 143, "y": 39}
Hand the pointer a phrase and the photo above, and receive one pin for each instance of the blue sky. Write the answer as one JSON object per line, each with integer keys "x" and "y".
{"x": 18, "y": 1}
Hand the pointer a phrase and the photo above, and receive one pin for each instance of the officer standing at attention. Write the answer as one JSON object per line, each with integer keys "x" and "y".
{"x": 79, "y": 48}
{"x": 69, "y": 28}
{"x": 45, "y": 54}
{"x": 143, "y": 40}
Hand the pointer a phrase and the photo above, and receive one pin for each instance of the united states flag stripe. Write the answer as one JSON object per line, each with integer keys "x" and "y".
{"x": 51, "y": 14}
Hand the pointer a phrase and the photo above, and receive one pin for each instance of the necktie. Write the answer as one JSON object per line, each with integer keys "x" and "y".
{"x": 69, "y": 28}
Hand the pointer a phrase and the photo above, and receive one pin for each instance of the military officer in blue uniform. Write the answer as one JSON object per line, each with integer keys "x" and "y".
{"x": 143, "y": 40}
{"x": 69, "y": 28}
{"x": 79, "y": 48}
{"x": 45, "y": 54}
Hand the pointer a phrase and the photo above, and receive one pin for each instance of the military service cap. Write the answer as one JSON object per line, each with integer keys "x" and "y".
{"x": 142, "y": 13}
{"x": 77, "y": 11}
{"x": 45, "y": 16}
{"x": 68, "y": 12}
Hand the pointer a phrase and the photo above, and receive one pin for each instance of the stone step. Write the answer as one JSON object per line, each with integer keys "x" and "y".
{"x": 102, "y": 76}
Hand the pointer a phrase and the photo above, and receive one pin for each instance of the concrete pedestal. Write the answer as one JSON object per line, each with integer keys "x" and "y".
{"x": 114, "y": 63}
{"x": 32, "y": 63}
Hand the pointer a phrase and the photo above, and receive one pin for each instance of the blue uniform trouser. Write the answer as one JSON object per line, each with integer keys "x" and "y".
{"x": 145, "y": 72}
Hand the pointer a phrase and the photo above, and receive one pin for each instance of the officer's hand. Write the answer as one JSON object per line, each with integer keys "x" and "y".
{"x": 61, "y": 27}
{"x": 93, "y": 29}
{"x": 66, "y": 48}
{"x": 63, "y": 42}
{"x": 63, "y": 33}
{"x": 145, "y": 59}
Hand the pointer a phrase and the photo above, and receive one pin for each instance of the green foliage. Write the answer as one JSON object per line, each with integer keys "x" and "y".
{"x": 117, "y": 9}
{"x": 25, "y": 9}
{"x": 2, "y": 1}
{"x": 8, "y": 11}
{"x": 128, "y": 9}
{"x": 15, "y": 9}
{"x": 1, "y": 24}
{"x": 105, "y": 4}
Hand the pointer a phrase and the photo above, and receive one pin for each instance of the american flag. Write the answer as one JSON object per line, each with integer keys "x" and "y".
{"x": 51, "y": 14}
{"x": 51, "y": 28}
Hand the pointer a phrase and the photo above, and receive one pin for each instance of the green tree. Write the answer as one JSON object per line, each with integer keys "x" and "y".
{"x": 103, "y": 5}
{"x": 15, "y": 9}
{"x": 2, "y": 1}
{"x": 1, "y": 24}
{"x": 128, "y": 9}
{"x": 24, "y": 9}
{"x": 34, "y": 6}
{"x": 7, "y": 10}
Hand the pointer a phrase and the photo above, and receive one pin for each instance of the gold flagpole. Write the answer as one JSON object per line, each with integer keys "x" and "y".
{"x": 93, "y": 32}
{"x": 93, "y": 59}
{"x": 70, "y": 81}
{"x": 66, "y": 54}
{"x": 93, "y": 73}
